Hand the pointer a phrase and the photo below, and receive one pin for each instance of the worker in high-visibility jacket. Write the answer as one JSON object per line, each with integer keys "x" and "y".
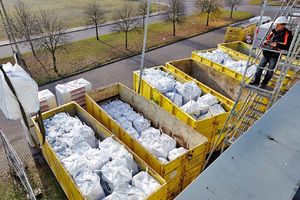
{"x": 280, "y": 38}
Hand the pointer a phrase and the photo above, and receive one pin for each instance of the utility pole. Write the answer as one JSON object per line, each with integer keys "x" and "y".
{"x": 159, "y": 6}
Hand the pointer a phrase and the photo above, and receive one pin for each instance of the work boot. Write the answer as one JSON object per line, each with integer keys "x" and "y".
{"x": 253, "y": 82}
{"x": 262, "y": 85}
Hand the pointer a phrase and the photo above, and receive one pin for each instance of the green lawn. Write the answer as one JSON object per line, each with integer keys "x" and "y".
{"x": 71, "y": 11}
{"x": 86, "y": 54}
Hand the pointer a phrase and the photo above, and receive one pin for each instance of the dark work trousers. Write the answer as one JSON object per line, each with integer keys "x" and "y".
{"x": 262, "y": 63}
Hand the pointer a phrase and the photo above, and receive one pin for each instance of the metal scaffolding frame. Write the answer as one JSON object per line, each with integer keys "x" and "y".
{"x": 16, "y": 163}
{"x": 259, "y": 100}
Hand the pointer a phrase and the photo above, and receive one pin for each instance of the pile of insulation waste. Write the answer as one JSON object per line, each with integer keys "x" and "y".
{"x": 185, "y": 95}
{"x": 101, "y": 169}
{"x": 223, "y": 58}
{"x": 154, "y": 140}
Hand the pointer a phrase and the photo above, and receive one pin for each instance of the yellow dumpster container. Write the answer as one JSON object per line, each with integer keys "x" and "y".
{"x": 179, "y": 172}
{"x": 209, "y": 127}
{"x": 239, "y": 49}
{"x": 64, "y": 178}
{"x": 228, "y": 71}
{"x": 239, "y": 31}
{"x": 242, "y": 50}
{"x": 191, "y": 69}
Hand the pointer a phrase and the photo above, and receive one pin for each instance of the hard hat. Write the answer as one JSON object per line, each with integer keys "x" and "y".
{"x": 281, "y": 20}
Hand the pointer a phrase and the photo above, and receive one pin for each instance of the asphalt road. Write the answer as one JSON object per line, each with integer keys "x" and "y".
{"x": 121, "y": 71}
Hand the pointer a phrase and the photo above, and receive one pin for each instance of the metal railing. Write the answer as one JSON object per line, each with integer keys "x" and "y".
{"x": 16, "y": 163}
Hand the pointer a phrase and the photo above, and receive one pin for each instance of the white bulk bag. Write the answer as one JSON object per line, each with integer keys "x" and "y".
{"x": 96, "y": 159}
{"x": 216, "y": 109}
{"x": 174, "y": 97}
{"x": 163, "y": 160}
{"x": 151, "y": 133}
{"x": 87, "y": 134}
{"x": 191, "y": 108}
{"x": 59, "y": 119}
{"x": 205, "y": 116}
{"x": 58, "y": 144}
{"x": 174, "y": 153}
{"x": 89, "y": 184}
{"x": 74, "y": 164}
{"x": 70, "y": 123}
{"x": 202, "y": 106}
{"x": 80, "y": 148}
{"x": 26, "y": 90}
{"x": 109, "y": 146}
{"x": 124, "y": 122}
{"x": 114, "y": 173}
{"x": 145, "y": 182}
{"x": 63, "y": 153}
{"x": 141, "y": 124}
{"x": 209, "y": 99}
{"x": 131, "y": 131}
{"x": 167, "y": 141}
{"x": 158, "y": 149}
{"x": 116, "y": 196}
{"x": 71, "y": 139}
{"x": 130, "y": 191}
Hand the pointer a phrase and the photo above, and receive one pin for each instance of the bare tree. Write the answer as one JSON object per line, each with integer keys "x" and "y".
{"x": 208, "y": 7}
{"x": 143, "y": 10}
{"x": 232, "y": 4}
{"x": 24, "y": 23}
{"x": 95, "y": 14}
{"x": 125, "y": 21}
{"x": 175, "y": 13}
{"x": 51, "y": 35}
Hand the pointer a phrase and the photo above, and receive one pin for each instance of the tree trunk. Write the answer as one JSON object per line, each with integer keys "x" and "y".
{"x": 144, "y": 22}
{"x": 231, "y": 12}
{"x": 96, "y": 31}
{"x": 32, "y": 49}
{"x": 126, "y": 40}
{"x": 36, "y": 57}
{"x": 54, "y": 62}
{"x": 174, "y": 28}
{"x": 207, "y": 19}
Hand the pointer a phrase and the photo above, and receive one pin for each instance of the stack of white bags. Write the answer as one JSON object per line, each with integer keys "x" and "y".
{"x": 187, "y": 95}
{"x": 102, "y": 170}
{"x": 223, "y": 58}
{"x": 158, "y": 143}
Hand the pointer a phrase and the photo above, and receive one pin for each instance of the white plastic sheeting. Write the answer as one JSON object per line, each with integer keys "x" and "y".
{"x": 26, "y": 90}
{"x": 223, "y": 58}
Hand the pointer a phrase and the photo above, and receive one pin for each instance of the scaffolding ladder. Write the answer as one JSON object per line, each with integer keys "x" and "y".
{"x": 259, "y": 100}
